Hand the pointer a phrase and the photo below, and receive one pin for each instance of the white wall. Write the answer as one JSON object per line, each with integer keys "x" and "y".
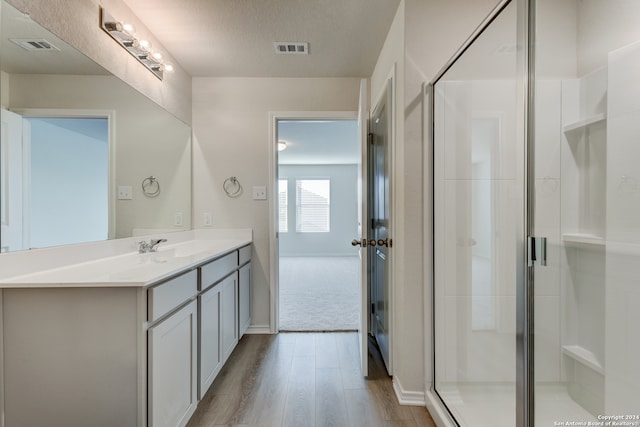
{"x": 231, "y": 138}
{"x": 603, "y": 26}
{"x": 343, "y": 213}
{"x": 149, "y": 141}
{"x": 76, "y": 22}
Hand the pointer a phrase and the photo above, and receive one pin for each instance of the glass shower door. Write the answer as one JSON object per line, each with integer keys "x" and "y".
{"x": 587, "y": 204}
{"x": 478, "y": 199}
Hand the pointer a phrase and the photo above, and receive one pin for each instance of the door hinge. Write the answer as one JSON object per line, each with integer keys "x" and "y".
{"x": 373, "y": 308}
{"x": 537, "y": 251}
{"x": 370, "y": 138}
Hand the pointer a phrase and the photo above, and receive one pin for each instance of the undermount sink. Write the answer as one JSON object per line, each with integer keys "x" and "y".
{"x": 193, "y": 247}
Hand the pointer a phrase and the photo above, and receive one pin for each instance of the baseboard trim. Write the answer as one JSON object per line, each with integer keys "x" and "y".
{"x": 320, "y": 255}
{"x": 259, "y": 329}
{"x": 438, "y": 413}
{"x": 410, "y": 398}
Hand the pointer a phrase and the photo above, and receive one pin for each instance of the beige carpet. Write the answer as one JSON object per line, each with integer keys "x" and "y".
{"x": 319, "y": 293}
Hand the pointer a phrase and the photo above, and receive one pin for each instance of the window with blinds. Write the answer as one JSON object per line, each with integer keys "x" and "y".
{"x": 313, "y": 205}
{"x": 283, "y": 205}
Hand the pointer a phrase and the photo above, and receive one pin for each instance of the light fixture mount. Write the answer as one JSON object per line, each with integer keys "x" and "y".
{"x": 140, "y": 49}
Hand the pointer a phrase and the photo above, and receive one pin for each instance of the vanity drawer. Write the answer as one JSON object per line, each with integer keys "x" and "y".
{"x": 170, "y": 294}
{"x": 244, "y": 254}
{"x": 216, "y": 270}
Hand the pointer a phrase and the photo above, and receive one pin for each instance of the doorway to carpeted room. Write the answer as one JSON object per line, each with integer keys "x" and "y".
{"x": 319, "y": 199}
{"x": 319, "y": 293}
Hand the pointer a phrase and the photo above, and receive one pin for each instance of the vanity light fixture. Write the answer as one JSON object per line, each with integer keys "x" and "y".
{"x": 141, "y": 49}
{"x": 282, "y": 145}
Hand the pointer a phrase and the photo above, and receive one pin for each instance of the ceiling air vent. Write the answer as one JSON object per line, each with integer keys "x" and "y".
{"x": 292, "y": 48}
{"x": 35, "y": 44}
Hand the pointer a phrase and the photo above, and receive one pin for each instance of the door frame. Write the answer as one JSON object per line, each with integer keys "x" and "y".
{"x": 272, "y": 190}
{"x": 110, "y": 115}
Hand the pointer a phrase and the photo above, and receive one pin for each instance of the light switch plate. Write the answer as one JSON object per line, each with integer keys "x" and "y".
{"x": 260, "y": 193}
{"x": 125, "y": 192}
{"x": 206, "y": 219}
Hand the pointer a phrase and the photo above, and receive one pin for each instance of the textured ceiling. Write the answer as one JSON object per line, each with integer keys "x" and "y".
{"x": 235, "y": 37}
{"x": 15, "y": 59}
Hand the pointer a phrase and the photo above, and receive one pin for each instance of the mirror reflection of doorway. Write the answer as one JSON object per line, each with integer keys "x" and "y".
{"x": 62, "y": 164}
{"x": 319, "y": 282}
{"x": 69, "y": 162}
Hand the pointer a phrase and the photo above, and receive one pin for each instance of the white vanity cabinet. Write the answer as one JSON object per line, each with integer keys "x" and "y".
{"x": 218, "y": 313}
{"x": 244, "y": 290}
{"x": 172, "y": 351}
{"x": 229, "y": 316}
{"x": 139, "y": 350}
{"x": 210, "y": 356}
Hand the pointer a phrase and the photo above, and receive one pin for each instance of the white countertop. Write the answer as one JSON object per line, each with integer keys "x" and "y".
{"x": 130, "y": 269}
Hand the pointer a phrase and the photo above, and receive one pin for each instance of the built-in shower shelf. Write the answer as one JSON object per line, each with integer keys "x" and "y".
{"x": 581, "y": 124}
{"x": 583, "y": 356}
{"x": 583, "y": 239}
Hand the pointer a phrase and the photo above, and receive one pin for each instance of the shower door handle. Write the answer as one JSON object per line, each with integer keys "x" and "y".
{"x": 537, "y": 248}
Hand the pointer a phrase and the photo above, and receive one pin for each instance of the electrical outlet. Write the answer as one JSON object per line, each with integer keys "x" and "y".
{"x": 125, "y": 192}
{"x": 260, "y": 193}
{"x": 206, "y": 219}
{"x": 177, "y": 219}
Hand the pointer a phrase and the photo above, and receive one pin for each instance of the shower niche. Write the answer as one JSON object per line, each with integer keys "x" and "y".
{"x": 599, "y": 208}
{"x": 583, "y": 177}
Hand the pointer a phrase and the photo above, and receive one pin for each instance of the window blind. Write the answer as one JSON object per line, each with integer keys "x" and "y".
{"x": 283, "y": 205}
{"x": 313, "y": 205}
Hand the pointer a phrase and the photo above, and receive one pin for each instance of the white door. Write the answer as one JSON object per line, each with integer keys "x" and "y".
{"x": 11, "y": 182}
{"x": 363, "y": 327}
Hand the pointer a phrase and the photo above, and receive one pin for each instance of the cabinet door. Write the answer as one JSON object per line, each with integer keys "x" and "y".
{"x": 173, "y": 368}
{"x": 229, "y": 315}
{"x": 244, "y": 295}
{"x": 210, "y": 360}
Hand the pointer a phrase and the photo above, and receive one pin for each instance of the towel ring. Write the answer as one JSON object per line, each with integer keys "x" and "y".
{"x": 150, "y": 187}
{"x": 232, "y": 187}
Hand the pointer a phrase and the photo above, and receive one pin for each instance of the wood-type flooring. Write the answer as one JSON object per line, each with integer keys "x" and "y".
{"x": 305, "y": 380}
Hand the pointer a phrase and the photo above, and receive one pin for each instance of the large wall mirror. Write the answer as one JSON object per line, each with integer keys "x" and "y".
{"x": 84, "y": 157}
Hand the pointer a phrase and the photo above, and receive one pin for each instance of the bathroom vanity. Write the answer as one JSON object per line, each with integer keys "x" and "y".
{"x": 125, "y": 340}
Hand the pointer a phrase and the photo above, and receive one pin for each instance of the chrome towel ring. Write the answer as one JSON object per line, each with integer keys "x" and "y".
{"x": 232, "y": 187}
{"x": 150, "y": 187}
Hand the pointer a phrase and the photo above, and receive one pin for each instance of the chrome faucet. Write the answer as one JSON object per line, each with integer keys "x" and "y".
{"x": 150, "y": 246}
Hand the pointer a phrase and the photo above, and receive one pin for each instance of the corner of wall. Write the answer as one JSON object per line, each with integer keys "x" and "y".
{"x": 406, "y": 397}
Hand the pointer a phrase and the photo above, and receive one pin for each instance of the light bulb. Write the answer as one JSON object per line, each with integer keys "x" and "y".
{"x": 156, "y": 55}
{"x": 145, "y": 45}
{"x": 168, "y": 68}
{"x": 128, "y": 28}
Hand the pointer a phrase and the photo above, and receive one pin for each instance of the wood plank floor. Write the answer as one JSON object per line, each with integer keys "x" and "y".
{"x": 306, "y": 380}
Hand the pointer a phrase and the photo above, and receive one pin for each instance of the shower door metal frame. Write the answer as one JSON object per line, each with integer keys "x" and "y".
{"x": 524, "y": 274}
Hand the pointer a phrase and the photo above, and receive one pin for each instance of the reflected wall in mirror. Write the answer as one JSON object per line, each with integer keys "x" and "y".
{"x": 107, "y": 136}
